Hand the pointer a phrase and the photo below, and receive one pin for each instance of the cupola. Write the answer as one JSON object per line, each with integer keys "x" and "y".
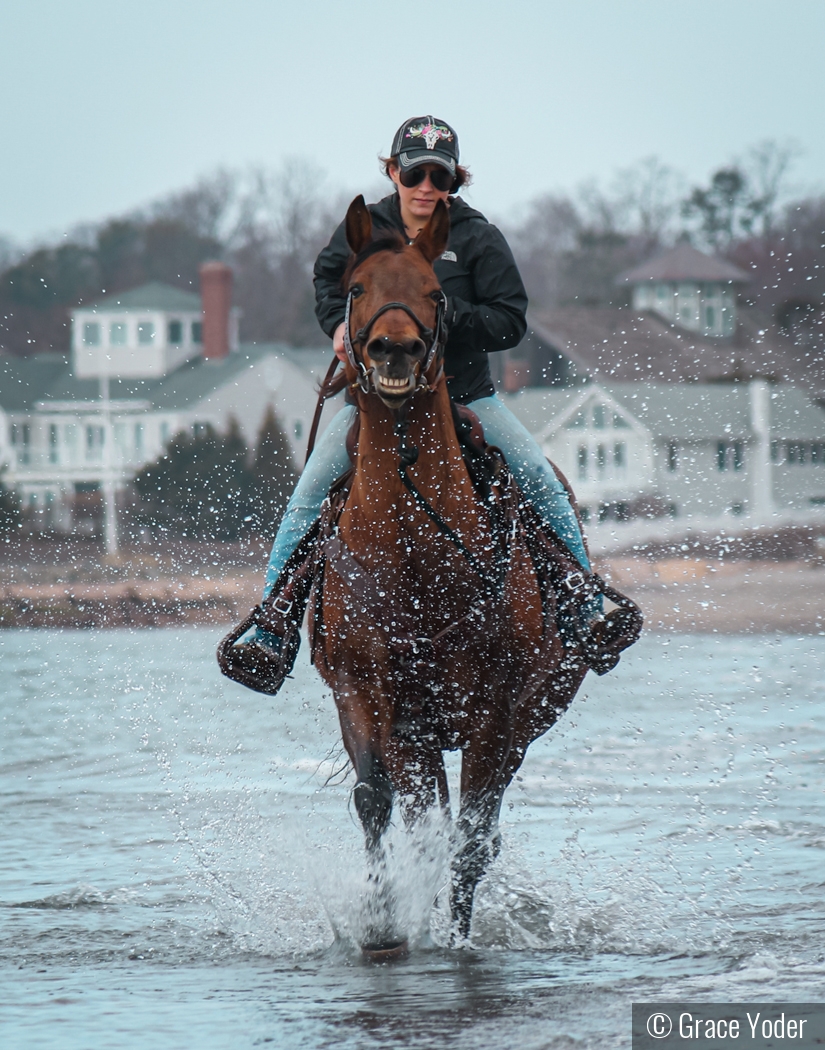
{"x": 689, "y": 289}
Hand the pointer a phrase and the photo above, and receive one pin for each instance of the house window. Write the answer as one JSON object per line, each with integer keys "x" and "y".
{"x": 774, "y": 452}
{"x": 730, "y": 455}
{"x": 91, "y": 334}
{"x": 620, "y": 455}
{"x": 138, "y": 438}
{"x": 710, "y": 317}
{"x": 673, "y": 457}
{"x": 601, "y": 458}
{"x": 582, "y": 462}
{"x": 21, "y": 437}
{"x": 197, "y": 332}
{"x": 146, "y": 333}
{"x": 164, "y": 433}
{"x": 94, "y": 442}
{"x": 817, "y": 453}
{"x": 117, "y": 333}
{"x": 599, "y": 416}
{"x": 175, "y": 333}
{"x": 52, "y": 442}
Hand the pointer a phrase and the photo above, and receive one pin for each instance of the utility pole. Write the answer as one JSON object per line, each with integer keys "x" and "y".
{"x": 108, "y": 479}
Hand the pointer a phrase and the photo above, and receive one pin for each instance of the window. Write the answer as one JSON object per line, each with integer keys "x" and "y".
{"x": 138, "y": 437}
{"x": 164, "y": 433}
{"x": 620, "y": 455}
{"x": 197, "y": 332}
{"x": 774, "y": 452}
{"x": 117, "y": 333}
{"x": 91, "y": 334}
{"x": 94, "y": 442}
{"x": 53, "y": 443}
{"x": 710, "y": 317}
{"x": 601, "y": 458}
{"x": 175, "y": 333}
{"x": 730, "y": 455}
{"x": 582, "y": 462}
{"x": 146, "y": 333}
{"x": 673, "y": 457}
{"x": 599, "y": 416}
{"x": 21, "y": 437}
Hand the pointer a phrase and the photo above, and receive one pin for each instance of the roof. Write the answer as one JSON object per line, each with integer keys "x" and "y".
{"x": 686, "y": 412}
{"x": 48, "y": 377}
{"x": 151, "y": 296}
{"x": 617, "y": 343}
{"x": 684, "y": 263}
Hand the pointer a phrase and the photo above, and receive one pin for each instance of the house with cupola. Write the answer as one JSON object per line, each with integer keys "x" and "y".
{"x": 144, "y": 365}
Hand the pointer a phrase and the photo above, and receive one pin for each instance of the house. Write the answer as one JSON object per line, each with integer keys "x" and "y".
{"x": 682, "y": 317}
{"x": 708, "y": 450}
{"x": 144, "y": 365}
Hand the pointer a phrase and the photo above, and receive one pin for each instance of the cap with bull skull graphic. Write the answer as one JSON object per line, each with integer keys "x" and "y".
{"x": 426, "y": 140}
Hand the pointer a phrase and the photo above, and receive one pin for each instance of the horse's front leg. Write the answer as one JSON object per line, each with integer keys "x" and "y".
{"x": 482, "y": 788}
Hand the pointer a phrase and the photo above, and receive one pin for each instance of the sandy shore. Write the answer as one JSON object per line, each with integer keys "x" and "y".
{"x": 688, "y": 595}
{"x": 701, "y": 596}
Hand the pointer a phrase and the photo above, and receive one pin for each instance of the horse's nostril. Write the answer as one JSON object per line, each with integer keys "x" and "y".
{"x": 378, "y": 349}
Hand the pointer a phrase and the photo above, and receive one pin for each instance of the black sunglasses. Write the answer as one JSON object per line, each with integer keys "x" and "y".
{"x": 440, "y": 178}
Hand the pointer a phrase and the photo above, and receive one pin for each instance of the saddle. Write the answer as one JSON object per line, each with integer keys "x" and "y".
{"x": 565, "y": 586}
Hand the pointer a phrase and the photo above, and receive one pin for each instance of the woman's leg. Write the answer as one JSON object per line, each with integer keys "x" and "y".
{"x": 327, "y": 462}
{"x": 534, "y": 474}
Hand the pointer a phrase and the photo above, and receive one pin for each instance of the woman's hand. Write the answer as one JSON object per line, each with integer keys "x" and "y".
{"x": 338, "y": 343}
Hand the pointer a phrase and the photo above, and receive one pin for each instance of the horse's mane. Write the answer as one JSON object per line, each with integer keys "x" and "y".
{"x": 388, "y": 241}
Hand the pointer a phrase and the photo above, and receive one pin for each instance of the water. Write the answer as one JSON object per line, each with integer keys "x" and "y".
{"x": 176, "y": 872}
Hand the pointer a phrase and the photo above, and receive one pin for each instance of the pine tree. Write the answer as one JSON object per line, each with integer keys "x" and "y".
{"x": 274, "y": 475}
{"x": 10, "y": 515}
{"x": 201, "y": 487}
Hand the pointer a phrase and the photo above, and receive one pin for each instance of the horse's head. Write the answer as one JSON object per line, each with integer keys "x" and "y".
{"x": 396, "y": 303}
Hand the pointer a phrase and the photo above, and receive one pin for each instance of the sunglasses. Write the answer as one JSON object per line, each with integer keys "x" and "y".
{"x": 440, "y": 178}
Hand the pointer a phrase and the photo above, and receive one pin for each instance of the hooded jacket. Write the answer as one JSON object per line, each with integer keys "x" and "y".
{"x": 486, "y": 300}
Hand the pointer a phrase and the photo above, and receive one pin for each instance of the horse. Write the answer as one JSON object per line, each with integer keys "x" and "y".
{"x": 429, "y": 623}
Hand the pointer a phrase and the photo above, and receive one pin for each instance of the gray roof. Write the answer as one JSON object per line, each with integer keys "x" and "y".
{"x": 684, "y": 411}
{"x": 684, "y": 263}
{"x": 49, "y": 377}
{"x": 152, "y": 296}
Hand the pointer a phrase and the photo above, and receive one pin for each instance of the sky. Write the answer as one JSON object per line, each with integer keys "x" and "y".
{"x": 108, "y": 104}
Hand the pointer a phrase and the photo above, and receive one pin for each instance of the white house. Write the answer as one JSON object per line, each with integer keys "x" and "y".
{"x": 140, "y": 371}
{"x": 705, "y": 450}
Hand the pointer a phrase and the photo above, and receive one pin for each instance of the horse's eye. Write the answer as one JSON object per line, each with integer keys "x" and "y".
{"x": 356, "y": 290}
{"x": 436, "y": 295}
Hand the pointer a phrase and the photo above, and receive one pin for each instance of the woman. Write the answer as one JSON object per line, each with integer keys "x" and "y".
{"x": 486, "y": 304}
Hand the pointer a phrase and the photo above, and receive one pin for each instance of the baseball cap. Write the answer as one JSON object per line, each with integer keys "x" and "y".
{"x": 426, "y": 140}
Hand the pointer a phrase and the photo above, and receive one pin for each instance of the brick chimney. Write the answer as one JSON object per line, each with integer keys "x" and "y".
{"x": 216, "y": 297}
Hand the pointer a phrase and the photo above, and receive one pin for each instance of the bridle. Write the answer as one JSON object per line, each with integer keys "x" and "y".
{"x": 436, "y": 337}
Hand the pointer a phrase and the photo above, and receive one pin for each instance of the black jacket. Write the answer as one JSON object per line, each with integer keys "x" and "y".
{"x": 486, "y": 300}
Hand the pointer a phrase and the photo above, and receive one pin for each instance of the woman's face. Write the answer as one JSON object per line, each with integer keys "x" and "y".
{"x": 419, "y": 201}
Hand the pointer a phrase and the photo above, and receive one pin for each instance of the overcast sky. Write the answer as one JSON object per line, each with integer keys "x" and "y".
{"x": 107, "y": 104}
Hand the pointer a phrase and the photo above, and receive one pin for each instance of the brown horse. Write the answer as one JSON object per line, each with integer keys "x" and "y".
{"x": 429, "y": 627}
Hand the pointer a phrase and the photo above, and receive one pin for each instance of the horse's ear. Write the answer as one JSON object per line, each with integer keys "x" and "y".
{"x": 358, "y": 225}
{"x": 432, "y": 240}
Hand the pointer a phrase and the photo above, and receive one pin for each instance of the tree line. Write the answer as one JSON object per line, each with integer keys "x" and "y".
{"x": 570, "y": 246}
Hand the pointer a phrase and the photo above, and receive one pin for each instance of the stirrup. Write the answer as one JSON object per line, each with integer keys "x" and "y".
{"x": 257, "y": 666}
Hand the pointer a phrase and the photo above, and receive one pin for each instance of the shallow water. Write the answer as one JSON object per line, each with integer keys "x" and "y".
{"x": 176, "y": 872}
